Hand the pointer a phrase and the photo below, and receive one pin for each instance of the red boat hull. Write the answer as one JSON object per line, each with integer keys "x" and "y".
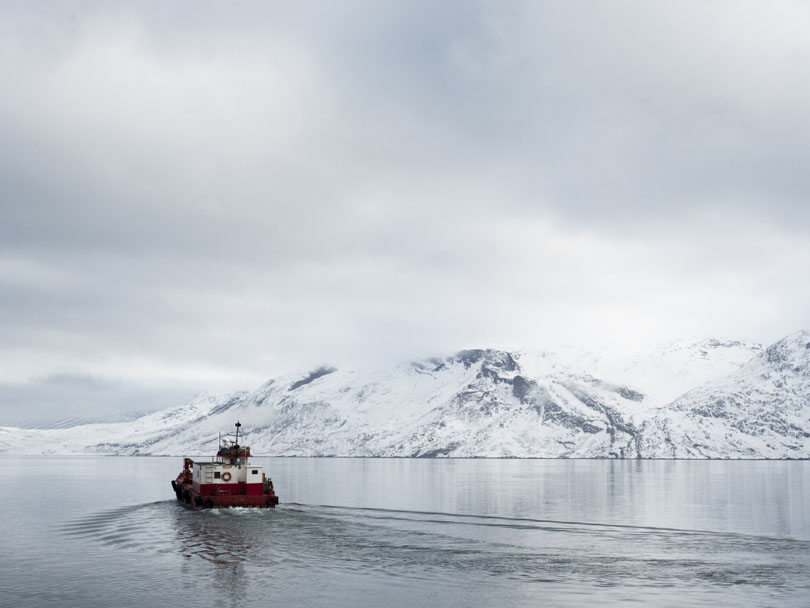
{"x": 187, "y": 495}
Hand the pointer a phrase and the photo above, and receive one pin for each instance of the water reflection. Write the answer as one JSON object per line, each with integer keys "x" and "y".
{"x": 217, "y": 537}
{"x": 406, "y": 533}
{"x": 227, "y": 542}
{"x": 227, "y": 553}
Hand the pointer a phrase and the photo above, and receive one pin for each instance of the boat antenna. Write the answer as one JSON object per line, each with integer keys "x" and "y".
{"x": 238, "y": 424}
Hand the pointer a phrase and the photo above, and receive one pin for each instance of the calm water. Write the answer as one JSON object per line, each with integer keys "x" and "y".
{"x": 349, "y": 532}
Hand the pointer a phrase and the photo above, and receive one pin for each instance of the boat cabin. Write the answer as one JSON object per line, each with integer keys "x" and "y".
{"x": 228, "y": 474}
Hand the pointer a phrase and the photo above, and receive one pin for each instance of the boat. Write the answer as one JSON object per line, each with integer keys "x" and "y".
{"x": 228, "y": 480}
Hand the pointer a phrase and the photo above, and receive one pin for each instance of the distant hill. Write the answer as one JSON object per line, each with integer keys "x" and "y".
{"x": 706, "y": 399}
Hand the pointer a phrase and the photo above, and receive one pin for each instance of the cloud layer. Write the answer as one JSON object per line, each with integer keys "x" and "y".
{"x": 197, "y": 196}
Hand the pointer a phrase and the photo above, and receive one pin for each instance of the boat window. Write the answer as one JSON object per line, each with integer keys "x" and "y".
{"x": 216, "y": 474}
{"x": 255, "y": 471}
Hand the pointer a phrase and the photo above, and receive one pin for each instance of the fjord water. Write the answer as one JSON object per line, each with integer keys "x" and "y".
{"x": 105, "y": 531}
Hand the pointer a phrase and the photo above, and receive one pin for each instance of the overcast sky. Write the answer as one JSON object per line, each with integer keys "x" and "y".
{"x": 201, "y": 195}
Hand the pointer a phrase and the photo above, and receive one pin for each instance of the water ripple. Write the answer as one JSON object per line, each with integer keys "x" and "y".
{"x": 414, "y": 545}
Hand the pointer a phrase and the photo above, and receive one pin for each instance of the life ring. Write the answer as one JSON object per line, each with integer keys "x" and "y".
{"x": 226, "y": 476}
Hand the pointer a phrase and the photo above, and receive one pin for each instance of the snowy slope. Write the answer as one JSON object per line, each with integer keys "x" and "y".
{"x": 688, "y": 399}
{"x": 761, "y": 411}
{"x": 661, "y": 372}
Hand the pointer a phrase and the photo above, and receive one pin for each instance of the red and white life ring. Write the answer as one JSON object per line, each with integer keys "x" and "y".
{"x": 226, "y": 476}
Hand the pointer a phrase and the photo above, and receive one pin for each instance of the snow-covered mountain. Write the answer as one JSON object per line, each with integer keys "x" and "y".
{"x": 760, "y": 411}
{"x": 706, "y": 399}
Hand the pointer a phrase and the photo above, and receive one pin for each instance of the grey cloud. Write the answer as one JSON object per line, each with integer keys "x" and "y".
{"x": 67, "y": 396}
{"x": 79, "y": 381}
{"x": 279, "y": 184}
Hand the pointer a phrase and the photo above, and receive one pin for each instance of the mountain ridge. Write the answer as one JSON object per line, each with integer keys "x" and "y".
{"x": 704, "y": 399}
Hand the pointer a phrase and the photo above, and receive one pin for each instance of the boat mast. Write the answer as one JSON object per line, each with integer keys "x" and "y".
{"x": 236, "y": 443}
